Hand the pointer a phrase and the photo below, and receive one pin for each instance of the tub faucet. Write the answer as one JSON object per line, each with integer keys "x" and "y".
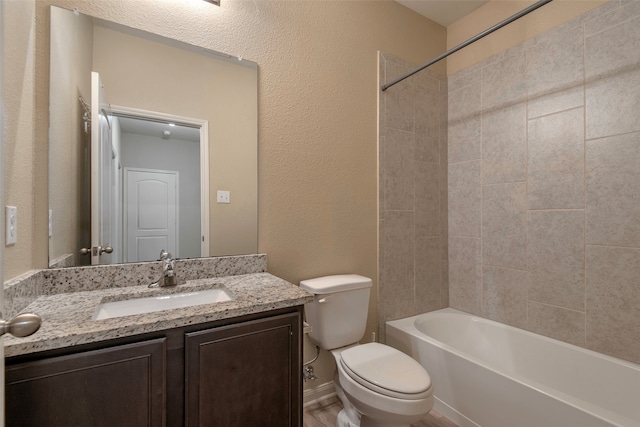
{"x": 168, "y": 277}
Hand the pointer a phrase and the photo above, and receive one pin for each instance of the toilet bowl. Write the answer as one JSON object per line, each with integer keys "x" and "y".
{"x": 378, "y": 385}
{"x": 384, "y": 386}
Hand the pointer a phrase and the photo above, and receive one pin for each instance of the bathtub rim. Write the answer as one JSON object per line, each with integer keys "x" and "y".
{"x": 407, "y": 325}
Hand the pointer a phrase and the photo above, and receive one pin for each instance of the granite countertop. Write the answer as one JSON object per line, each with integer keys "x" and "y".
{"x": 67, "y": 319}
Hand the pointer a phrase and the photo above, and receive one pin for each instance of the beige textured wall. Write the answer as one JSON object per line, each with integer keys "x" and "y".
{"x": 19, "y": 131}
{"x": 489, "y": 14}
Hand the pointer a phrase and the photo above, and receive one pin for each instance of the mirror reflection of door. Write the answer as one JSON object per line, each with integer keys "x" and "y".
{"x": 151, "y": 214}
{"x": 150, "y": 143}
{"x": 104, "y": 185}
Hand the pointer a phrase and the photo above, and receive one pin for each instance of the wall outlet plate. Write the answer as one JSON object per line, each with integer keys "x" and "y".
{"x": 11, "y": 232}
{"x": 224, "y": 196}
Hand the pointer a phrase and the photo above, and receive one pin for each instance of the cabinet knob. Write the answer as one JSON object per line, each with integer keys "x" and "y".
{"x": 22, "y": 325}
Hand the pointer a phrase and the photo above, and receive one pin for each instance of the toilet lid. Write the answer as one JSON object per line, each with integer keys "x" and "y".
{"x": 386, "y": 368}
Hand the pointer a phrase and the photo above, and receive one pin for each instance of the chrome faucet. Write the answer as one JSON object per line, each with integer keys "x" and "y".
{"x": 168, "y": 277}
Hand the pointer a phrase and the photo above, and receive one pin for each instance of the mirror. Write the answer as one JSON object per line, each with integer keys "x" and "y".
{"x": 163, "y": 81}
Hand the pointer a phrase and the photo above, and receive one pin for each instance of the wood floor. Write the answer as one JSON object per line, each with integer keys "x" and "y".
{"x": 325, "y": 413}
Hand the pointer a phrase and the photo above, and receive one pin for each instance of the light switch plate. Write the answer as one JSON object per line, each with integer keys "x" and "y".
{"x": 11, "y": 219}
{"x": 224, "y": 196}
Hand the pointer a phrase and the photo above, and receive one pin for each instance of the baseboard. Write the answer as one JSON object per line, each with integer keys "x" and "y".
{"x": 318, "y": 393}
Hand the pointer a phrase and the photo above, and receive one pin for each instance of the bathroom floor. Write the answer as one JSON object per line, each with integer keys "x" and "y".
{"x": 325, "y": 413}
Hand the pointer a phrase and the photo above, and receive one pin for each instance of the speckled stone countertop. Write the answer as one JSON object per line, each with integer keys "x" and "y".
{"x": 67, "y": 318}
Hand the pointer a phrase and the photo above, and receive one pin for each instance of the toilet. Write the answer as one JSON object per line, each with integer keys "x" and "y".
{"x": 377, "y": 384}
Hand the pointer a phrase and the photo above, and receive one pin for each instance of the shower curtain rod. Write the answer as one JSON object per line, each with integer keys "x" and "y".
{"x": 473, "y": 39}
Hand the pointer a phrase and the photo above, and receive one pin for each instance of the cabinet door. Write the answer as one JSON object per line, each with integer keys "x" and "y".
{"x": 118, "y": 386}
{"x": 246, "y": 374}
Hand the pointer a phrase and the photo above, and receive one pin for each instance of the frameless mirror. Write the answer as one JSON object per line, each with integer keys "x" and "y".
{"x": 158, "y": 151}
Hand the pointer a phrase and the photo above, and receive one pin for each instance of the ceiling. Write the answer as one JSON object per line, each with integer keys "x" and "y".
{"x": 154, "y": 128}
{"x": 444, "y": 12}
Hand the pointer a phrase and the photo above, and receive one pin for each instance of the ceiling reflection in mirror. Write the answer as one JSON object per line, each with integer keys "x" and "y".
{"x": 168, "y": 103}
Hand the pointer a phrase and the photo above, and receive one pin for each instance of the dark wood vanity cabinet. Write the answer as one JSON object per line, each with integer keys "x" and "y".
{"x": 242, "y": 373}
{"x": 117, "y": 386}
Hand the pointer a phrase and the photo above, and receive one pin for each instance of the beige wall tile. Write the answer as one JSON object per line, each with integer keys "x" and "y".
{"x": 503, "y": 84}
{"x": 555, "y": 322}
{"x": 466, "y": 77}
{"x": 504, "y": 225}
{"x": 555, "y": 71}
{"x": 612, "y": 104}
{"x": 556, "y": 161}
{"x": 465, "y": 288}
{"x": 428, "y": 146}
{"x": 396, "y": 305}
{"x": 444, "y": 166}
{"x": 399, "y": 101}
{"x": 444, "y": 292}
{"x": 428, "y": 274}
{"x": 504, "y": 295}
{"x": 464, "y": 199}
{"x": 464, "y": 274}
{"x": 464, "y": 124}
{"x": 412, "y": 182}
{"x": 613, "y": 191}
{"x": 427, "y": 199}
{"x": 444, "y": 224}
{"x": 399, "y": 168}
{"x": 504, "y": 145}
{"x": 555, "y": 256}
{"x": 397, "y": 252}
{"x": 612, "y": 93}
{"x": 615, "y": 49}
{"x": 609, "y": 15}
{"x": 464, "y": 251}
{"x": 613, "y": 301}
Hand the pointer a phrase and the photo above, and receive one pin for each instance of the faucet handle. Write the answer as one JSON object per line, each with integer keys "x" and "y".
{"x": 164, "y": 255}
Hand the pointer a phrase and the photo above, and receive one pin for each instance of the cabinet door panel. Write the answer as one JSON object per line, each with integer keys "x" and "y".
{"x": 245, "y": 374}
{"x": 118, "y": 386}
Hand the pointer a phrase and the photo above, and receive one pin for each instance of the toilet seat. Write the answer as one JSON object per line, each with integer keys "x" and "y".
{"x": 387, "y": 371}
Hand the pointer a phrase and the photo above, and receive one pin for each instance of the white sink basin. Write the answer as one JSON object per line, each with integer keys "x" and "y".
{"x": 108, "y": 310}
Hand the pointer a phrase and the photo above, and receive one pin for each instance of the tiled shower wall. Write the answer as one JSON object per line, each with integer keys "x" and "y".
{"x": 544, "y": 183}
{"x": 413, "y": 199}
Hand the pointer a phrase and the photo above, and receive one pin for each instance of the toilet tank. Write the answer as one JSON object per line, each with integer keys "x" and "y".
{"x": 338, "y": 313}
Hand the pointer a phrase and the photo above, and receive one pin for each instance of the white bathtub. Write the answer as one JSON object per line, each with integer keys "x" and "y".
{"x": 492, "y": 375}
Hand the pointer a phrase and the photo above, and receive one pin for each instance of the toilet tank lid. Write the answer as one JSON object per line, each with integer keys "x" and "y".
{"x": 337, "y": 283}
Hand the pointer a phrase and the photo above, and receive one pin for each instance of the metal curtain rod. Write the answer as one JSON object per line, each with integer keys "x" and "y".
{"x": 468, "y": 42}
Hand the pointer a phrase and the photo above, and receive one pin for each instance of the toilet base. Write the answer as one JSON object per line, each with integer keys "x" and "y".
{"x": 343, "y": 420}
{"x": 350, "y": 417}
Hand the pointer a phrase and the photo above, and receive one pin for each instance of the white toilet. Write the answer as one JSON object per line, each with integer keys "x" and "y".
{"x": 377, "y": 384}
